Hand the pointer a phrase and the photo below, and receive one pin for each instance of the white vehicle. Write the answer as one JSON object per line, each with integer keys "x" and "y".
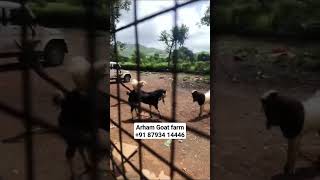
{"x": 50, "y": 43}
{"x": 123, "y": 74}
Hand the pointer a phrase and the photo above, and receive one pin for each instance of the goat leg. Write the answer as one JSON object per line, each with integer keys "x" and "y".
{"x": 292, "y": 152}
{"x": 84, "y": 158}
{"x": 150, "y": 111}
{"x": 157, "y": 108}
{"x": 139, "y": 113}
{"x": 133, "y": 108}
{"x": 70, "y": 154}
{"x": 201, "y": 109}
{"x": 159, "y": 113}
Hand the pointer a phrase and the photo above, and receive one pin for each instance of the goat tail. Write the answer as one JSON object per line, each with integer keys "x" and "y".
{"x": 57, "y": 98}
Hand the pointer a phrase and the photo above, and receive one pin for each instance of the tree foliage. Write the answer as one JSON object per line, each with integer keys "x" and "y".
{"x": 203, "y": 56}
{"x": 176, "y": 37}
{"x": 205, "y": 20}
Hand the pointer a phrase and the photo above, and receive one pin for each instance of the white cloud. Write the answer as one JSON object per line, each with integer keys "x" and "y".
{"x": 149, "y": 31}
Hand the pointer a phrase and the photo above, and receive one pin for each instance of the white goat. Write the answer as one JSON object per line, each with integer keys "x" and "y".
{"x": 295, "y": 118}
{"x": 79, "y": 68}
{"x": 137, "y": 84}
{"x": 201, "y": 98}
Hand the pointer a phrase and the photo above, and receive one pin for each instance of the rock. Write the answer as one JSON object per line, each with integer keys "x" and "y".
{"x": 15, "y": 171}
{"x": 238, "y": 58}
{"x": 235, "y": 79}
{"x": 185, "y": 78}
{"x": 279, "y": 50}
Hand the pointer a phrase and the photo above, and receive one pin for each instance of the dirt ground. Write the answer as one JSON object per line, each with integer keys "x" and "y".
{"x": 191, "y": 155}
{"x": 243, "y": 148}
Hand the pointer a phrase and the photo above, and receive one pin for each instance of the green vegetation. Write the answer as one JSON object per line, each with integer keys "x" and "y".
{"x": 187, "y": 61}
{"x": 130, "y": 48}
{"x": 259, "y": 17}
{"x": 205, "y": 20}
{"x": 72, "y": 13}
{"x": 176, "y": 37}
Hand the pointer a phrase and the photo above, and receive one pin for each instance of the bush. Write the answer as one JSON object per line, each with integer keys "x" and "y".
{"x": 282, "y": 17}
{"x": 67, "y": 16}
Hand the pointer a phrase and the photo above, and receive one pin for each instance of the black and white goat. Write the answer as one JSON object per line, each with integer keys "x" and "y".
{"x": 151, "y": 98}
{"x": 75, "y": 121}
{"x": 201, "y": 98}
{"x": 294, "y": 117}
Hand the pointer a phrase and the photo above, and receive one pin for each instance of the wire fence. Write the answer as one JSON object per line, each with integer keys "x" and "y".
{"x": 171, "y": 163}
{"x": 28, "y": 62}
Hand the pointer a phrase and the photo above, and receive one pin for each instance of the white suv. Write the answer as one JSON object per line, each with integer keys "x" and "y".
{"x": 123, "y": 74}
{"x": 50, "y": 43}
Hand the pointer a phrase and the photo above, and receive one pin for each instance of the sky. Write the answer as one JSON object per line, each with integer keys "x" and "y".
{"x": 149, "y": 31}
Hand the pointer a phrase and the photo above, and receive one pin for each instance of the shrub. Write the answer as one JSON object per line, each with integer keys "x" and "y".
{"x": 67, "y": 16}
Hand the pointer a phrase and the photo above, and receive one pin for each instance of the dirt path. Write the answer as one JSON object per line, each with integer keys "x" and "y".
{"x": 191, "y": 155}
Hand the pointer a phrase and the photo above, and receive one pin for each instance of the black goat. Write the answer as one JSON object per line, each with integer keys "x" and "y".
{"x": 77, "y": 126}
{"x": 294, "y": 117}
{"x": 151, "y": 98}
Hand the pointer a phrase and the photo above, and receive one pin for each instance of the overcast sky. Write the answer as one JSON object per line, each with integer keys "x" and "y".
{"x": 149, "y": 31}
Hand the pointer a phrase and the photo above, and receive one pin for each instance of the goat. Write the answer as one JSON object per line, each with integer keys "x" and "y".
{"x": 137, "y": 84}
{"x": 151, "y": 98}
{"x": 79, "y": 68}
{"x": 201, "y": 98}
{"x": 75, "y": 122}
{"x": 76, "y": 125}
{"x": 294, "y": 117}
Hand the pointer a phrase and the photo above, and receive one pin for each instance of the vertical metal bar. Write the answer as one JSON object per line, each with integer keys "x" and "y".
{"x": 92, "y": 91}
{"x": 118, "y": 96}
{"x": 138, "y": 77}
{"x": 26, "y": 84}
{"x": 174, "y": 98}
{"x": 213, "y": 57}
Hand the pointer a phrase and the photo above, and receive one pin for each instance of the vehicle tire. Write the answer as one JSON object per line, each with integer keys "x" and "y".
{"x": 54, "y": 54}
{"x": 127, "y": 78}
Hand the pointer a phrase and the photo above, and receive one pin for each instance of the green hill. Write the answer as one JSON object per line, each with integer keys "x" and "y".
{"x": 148, "y": 51}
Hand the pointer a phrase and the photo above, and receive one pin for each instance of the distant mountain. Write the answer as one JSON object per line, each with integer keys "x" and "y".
{"x": 149, "y": 51}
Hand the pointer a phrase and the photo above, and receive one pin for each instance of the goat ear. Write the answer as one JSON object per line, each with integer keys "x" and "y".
{"x": 269, "y": 94}
{"x": 273, "y": 94}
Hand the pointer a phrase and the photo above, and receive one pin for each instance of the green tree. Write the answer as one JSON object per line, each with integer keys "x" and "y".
{"x": 205, "y": 20}
{"x": 120, "y": 47}
{"x": 203, "y": 56}
{"x": 176, "y": 37}
{"x": 185, "y": 54}
{"x": 134, "y": 56}
{"x": 156, "y": 56}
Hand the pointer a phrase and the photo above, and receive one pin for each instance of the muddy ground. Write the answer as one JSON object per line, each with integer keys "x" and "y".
{"x": 244, "y": 149}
